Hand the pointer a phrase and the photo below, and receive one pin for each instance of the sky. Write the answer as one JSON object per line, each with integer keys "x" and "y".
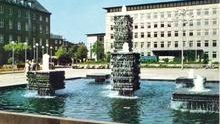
{"x": 73, "y": 19}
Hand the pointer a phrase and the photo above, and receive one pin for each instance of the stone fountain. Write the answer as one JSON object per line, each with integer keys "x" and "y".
{"x": 197, "y": 97}
{"x": 46, "y": 81}
{"x": 125, "y": 63}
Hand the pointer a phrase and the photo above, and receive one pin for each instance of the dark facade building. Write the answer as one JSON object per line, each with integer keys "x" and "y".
{"x": 24, "y": 21}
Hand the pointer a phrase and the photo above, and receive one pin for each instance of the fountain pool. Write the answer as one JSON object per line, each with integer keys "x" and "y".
{"x": 84, "y": 99}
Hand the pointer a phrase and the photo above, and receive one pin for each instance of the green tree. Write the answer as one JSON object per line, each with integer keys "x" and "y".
{"x": 19, "y": 48}
{"x": 72, "y": 52}
{"x": 62, "y": 56}
{"x": 98, "y": 50}
{"x": 81, "y": 52}
{"x": 108, "y": 57}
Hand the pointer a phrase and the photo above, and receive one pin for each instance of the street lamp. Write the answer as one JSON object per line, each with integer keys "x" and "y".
{"x": 37, "y": 52}
{"x": 25, "y": 47}
{"x": 13, "y": 55}
{"x": 47, "y": 45}
{"x": 51, "y": 53}
{"x": 42, "y": 50}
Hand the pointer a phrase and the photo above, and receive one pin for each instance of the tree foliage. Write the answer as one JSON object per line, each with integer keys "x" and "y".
{"x": 81, "y": 52}
{"x": 98, "y": 50}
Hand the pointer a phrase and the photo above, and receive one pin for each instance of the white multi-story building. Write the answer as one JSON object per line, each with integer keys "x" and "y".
{"x": 91, "y": 39}
{"x": 168, "y": 28}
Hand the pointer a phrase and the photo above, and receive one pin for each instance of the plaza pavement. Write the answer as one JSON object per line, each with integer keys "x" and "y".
{"x": 146, "y": 73}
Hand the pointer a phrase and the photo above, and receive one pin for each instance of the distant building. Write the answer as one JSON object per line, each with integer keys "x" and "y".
{"x": 91, "y": 39}
{"x": 23, "y": 21}
{"x": 167, "y": 28}
{"x": 57, "y": 41}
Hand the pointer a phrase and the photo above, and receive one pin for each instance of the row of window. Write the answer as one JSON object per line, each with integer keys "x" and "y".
{"x": 18, "y": 38}
{"x": 176, "y": 44}
{"x": 155, "y": 34}
{"x": 198, "y": 22}
{"x": 26, "y": 26}
{"x": 19, "y": 14}
{"x": 214, "y": 54}
{"x": 178, "y": 14}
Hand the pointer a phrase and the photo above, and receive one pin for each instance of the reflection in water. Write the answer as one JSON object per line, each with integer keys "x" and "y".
{"x": 125, "y": 111}
{"x": 195, "y": 118}
{"x": 44, "y": 106}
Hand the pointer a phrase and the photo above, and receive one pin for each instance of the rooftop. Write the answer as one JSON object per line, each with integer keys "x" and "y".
{"x": 166, "y": 4}
{"x": 33, "y": 4}
{"x": 96, "y": 34}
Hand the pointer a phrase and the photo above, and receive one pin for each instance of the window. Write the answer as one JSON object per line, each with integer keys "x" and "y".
{"x": 176, "y": 33}
{"x": 148, "y": 44}
{"x": 1, "y": 38}
{"x": 162, "y": 33}
{"x": 155, "y": 44}
{"x": 112, "y": 36}
{"x": 1, "y": 23}
{"x": 148, "y": 34}
{"x": 198, "y": 43}
{"x": 10, "y": 11}
{"x": 40, "y": 18}
{"x": 142, "y": 25}
{"x": 162, "y": 44}
{"x": 162, "y": 24}
{"x": 26, "y": 27}
{"x": 155, "y": 25}
{"x": 111, "y": 45}
{"x": 141, "y": 16}
{"x": 214, "y": 11}
{"x": 184, "y": 33}
{"x": 207, "y": 54}
{"x": 214, "y": 43}
{"x": 190, "y": 43}
{"x": 184, "y": 43}
{"x": 162, "y": 15}
{"x": 47, "y": 30}
{"x": 136, "y": 35}
{"x": 191, "y": 12}
{"x": 41, "y": 29}
{"x": 206, "y": 22}
{"x": 18, "y": 38}
{"x": 169, "y": 24}
{"x": 214, "y": 32}
{"x": 176, "y": 44}
{"x": 142, "y": 44}
{"x": 10, "y": 38}
{"x": 176, "y": 24}
{"x": 191, "y": 33}
{"x": 19, "y": 13}
{"x": 148, "y": 25}
{"x": 1, "y": 9}
{"x": 155, "y": 15}
{"x": 206, "y": 43}
{"x": 198, "y": 32}
{"x": 135, "y": 26}
{"x": 155, "y": 34}
{"x": 214, "y": 54}
{"x": 169, "y": 44}
{"x": 19, "y": 26}
{"x": 111, "y": 27}
{"x": 149, "y": 15}
{"x": 168, "y": 14}
{"x": 47, "y": 19}
{"x": 135, "y": 44}
{"x": 142, "y": 34}
{"x": 198, "y": 12}
{"x": 206, "y": 11}
{"x": 169, "y": 33}
{"x": 26, "y": 40}
{"x": 206, "y": 32}
{"x": 10, "y": 24}
{"x": 214, "y": 21}
{"x": 198, "y": 22}
{"x": 191, "y": 23}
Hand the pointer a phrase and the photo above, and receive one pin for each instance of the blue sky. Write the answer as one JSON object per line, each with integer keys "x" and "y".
{"x": 75, "y": 18}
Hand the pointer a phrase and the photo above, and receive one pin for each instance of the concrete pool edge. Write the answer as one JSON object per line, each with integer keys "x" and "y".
{"x": 23, "y": 118}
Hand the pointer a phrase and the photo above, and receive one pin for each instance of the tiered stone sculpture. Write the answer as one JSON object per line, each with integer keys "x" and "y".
{"x": 125, "y": 63}
{"x": 46, "y": 81}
